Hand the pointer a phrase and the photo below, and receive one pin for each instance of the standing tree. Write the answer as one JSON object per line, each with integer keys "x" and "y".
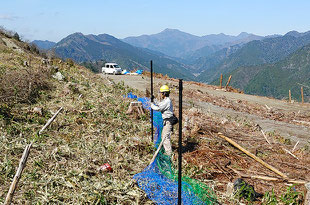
{"x": 16, "y": 36}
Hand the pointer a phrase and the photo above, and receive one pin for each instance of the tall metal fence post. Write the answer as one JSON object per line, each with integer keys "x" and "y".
{"x": 180, "y": 143}
{"x": 152, "y": 126}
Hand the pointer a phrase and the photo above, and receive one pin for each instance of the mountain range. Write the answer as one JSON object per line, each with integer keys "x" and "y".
{"x": 276, "y": 79}
{"x": 257, "y": 52}
{"x": 44, "y": 45}
{"x": 92, "y": 48}
{"x": 175, "y": 43}
{"x": 200, "y": 58}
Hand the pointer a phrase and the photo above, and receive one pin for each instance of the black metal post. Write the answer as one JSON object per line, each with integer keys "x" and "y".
{"x": 152, "y": 126}
{"x": 180, "y": 143}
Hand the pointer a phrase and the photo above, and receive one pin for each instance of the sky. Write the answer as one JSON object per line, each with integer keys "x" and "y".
{"x": 55, "y": 19}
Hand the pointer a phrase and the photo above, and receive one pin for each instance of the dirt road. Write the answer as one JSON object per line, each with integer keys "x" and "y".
{"x": 286, "y": 127}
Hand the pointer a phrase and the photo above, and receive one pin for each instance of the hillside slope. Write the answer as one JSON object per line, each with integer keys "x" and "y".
{"x": 92, "y": 129}
{"x": 85, "y": 48}
{"x": 276, "y": 79}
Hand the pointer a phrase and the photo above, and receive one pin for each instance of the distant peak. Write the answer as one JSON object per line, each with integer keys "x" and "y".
{"x": 170, "y": 30}
{"x": 293, "y": 33}
{"x": 243, "y": 34}
{"x": 78, "y": 34}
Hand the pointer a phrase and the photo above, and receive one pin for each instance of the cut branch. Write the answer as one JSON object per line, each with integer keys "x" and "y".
{"x": 253, "y": 156}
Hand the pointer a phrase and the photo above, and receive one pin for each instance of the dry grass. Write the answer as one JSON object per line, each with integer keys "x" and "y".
{"x": 92, "y": 130}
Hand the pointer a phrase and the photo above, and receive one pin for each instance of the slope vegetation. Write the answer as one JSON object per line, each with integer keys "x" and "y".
{"x": 92, "y": 129}
{"x": 276, "y": 79}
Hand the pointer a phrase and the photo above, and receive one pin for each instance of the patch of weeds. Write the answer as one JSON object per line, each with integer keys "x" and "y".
{"x": 144, "y": 117}
{"x": 88, "y": 105}
{"x": 34, "y": 175}
{"x": 120, "y": 86}
{"x": 39, "y": 163}
{"x": 100, "y": 199}
{"x": 14, "y": 129}
{"x": 5, "y": 113}
{"x": 40, "y": 138}
{"x": 7, "y": 169}
{"x": 292, "y": 197}
{"x": 70, "y": 62}
{"x": 29, "y": 194}
{"x": 244, "y": 190}
{"x": 86, "y": 84}
{"x": 111, "y": 147}
{"x": 73, "y": 80}
{"x": 305, "y": 148}
{"x": 270, "y": 198}
{"x": 83, "y": 114}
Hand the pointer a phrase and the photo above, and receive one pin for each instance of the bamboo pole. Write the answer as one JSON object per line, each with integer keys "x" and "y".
{"x": 289, "y": 96}
{"x": 302, "y": 94}
{"x": 228, "y": 82}
{"x": 23, "y": 161}
{"x": 50, "y": 121}
{"x": 22, "y": 164}
{"x": 253, "y": 156}
{"x": 157, "y": 151}
{"x": 267, "y": 178}
{"x": 307, "y": 197}
{"x": 221, "y": 80}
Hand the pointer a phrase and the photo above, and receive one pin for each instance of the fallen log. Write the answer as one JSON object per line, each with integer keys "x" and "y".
{"x": 253, "y": 156}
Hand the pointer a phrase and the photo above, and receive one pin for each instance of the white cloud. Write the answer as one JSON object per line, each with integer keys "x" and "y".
{"x": 8, "y": 17}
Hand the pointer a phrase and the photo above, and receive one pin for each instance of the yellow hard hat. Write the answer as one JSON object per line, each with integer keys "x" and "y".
{"x": 164, "y": 88}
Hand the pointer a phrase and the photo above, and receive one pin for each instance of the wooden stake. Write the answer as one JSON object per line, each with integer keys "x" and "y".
{"x": 221, "y": 80}
{"x": 253, "y": 156}
{"x": 289, "y": 96}
{"x": 22, "y": 164}
{"x": 302, "y": 95}
{"x": 228, "y": 82}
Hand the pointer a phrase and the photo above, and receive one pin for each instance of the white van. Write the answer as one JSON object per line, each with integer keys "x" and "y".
{"x": 111, "y": 68}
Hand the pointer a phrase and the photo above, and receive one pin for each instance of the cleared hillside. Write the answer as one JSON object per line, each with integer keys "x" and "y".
{"x": 94, "y": 129}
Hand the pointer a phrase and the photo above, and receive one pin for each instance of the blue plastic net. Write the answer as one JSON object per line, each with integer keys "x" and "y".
{"x": 160, "y": 180}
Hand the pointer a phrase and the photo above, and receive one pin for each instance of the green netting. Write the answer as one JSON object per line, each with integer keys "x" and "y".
{"x": 160, "y": 179}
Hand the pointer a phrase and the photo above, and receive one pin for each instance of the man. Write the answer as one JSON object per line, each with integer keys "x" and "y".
{"x": 166, "y": 108}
